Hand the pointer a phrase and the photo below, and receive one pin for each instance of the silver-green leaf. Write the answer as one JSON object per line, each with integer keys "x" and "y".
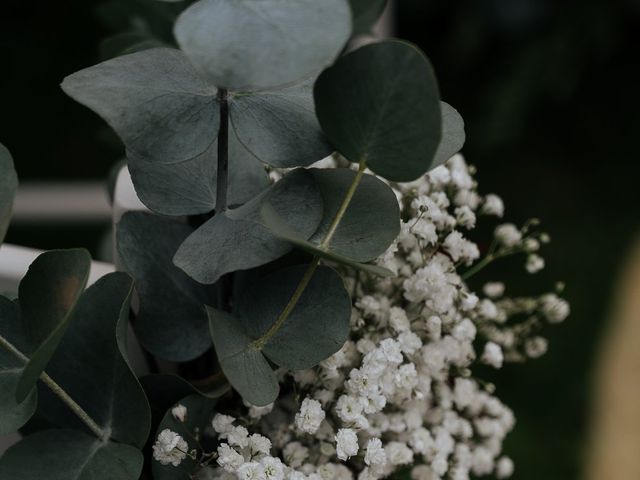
{"x": 453, "y": 135}
{"x": 8, "y": 187}
{"x": 260, "y": 44}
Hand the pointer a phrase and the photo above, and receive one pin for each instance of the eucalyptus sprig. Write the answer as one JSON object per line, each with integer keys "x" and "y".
{"x": 233, "y": 272}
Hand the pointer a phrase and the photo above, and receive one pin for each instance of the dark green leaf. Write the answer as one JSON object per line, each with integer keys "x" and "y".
{"x": 14, "y": 415}
{"x": 69, "y": 455}
{"x": 236, "y": 240}
{"x": 164, "y": 390}
{"x": 368, "y": 227}
{"x": 244, "y": 365}
{"x": 171, "y": 322}
{"x": 189, "y": 188}
{"x": 8, "y": 187}
{"x": 453, "y": 135}
{"x": 380, "y": 104}
{"x": 317, "y": 327}
{"x": 257, "y": 44}
{"x": 365, "y": 14}
{"x": 48, "y": 294}
{"x": 371, "y": 222}
{"x": 91, "y": 366}
{"x": 199, "y": 413}
{"x": 280, "y": 127}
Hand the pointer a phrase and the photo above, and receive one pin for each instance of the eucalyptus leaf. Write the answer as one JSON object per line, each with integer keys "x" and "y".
{"x": 156, "y": 102}
{"x": 259, "y": 44}
{"x": 189, "y": 188}
{"x": 236, "y": 240}
{"x": 171, "y": 322}
{"x": 453, "y": 135}
{"x": 369, "y": 225}
{"x": 69, "y": 455}
{"x": 199, "y": 413}
{"x": 244, "y": 365}
{"x": 316, "y": 328}
{"x": 163, "y": 390}
{"x": 91, "y": 366}
{"x": 48, "y": 294}
{"x": 280, "y": 126}
{"x": 282, "y": 230}
{"x": 365, "y": 14}
{"x": 8, "y": 188}
{"x": 14, "y": 414}
{"x": 380, "y": 104}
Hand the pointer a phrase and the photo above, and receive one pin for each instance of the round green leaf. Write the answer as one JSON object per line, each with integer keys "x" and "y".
{"x": 199, "y": 413}
{"x": 371, "y": 222}
{"x": 70, "y": 455}
{"x": 48, "y": 294}
{"x": 317, "y": 327}
{"x": 257, "y": 44}
{"x": 156, "y": 102}
{"x": 171, "y": 322}
{"x": 244, "y": 365}
{"x": 453, "y": 135}
{"x": 91, "y": 366}
{"x": 14, "y": 415}
{"x": 189, "y": 188}
{"x": 279, "y": 126}
{"x": 8, "y": 187}
{"x": 380, "y": 104}
{"x": 236, "y": 240}
{"x": 368, "y": 227}
{"x": 365, "y": 14}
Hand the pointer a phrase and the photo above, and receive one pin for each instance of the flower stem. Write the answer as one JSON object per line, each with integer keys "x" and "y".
{"x": 308, "y": 274}
{"x": 222, "y": 176}
{"x": 59, "y": 392}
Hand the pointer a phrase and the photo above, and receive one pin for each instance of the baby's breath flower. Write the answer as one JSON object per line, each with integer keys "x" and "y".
{"x": 179, "y": 412}
{"x": 170, "y": 448}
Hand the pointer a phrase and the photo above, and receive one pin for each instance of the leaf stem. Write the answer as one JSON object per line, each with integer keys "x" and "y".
{"x": 308, "y": 274}
{"x": 222, "y": 176}
{"x": 490, "y": 258}
{"x": 59, "y": 392}
{"x": 343, "y": 208}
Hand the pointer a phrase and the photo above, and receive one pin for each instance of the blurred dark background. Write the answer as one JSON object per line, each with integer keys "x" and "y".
{"x": 549, "y": 91}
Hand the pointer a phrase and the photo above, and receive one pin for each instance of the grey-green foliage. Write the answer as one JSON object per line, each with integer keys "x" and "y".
{"x": 8, "y": 187}
{"x": 317, "y": 327}
{"x": 14, "y": 414}
{"x": 236, "y": 240}
{"x": 69, "y": 455}
{"x": 48, "y": 294}
{"x": 171, "y": 321}
{"x": 91, "y": 366}
{"x": 369, "y": 226}
{"x": 380, "y": 104}
{"x": 261, "y": 44}
{"x": 167, "y": 116}
{"x": 453, "y": 134}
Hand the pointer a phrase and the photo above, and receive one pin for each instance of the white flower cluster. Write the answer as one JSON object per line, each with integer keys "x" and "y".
{"x": 401, "y": 394}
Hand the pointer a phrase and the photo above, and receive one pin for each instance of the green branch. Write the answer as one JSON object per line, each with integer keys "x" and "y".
{"x": 59, "y": 392}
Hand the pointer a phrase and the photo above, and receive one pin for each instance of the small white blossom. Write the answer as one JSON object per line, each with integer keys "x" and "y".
{"x": 375, "y": 455}
{"x": 493, "y": 205}
{"x": 346, "y": 443}
{"x": 508, "y": 235}
{"x": 228, "y": 458}
{"x": 179, "y": 412}
{"x": 493, "y": 355}
{"x": 535, "y": 263}
{"x": 170, "y": 448}
{"x": 554, "y": 308}
{"x": 504, "y": 467}
{"x": 310, "y": 416}
{"x": 222, "y": 424}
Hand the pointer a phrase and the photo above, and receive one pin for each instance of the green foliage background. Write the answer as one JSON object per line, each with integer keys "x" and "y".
{"x": 549, "y": 94}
